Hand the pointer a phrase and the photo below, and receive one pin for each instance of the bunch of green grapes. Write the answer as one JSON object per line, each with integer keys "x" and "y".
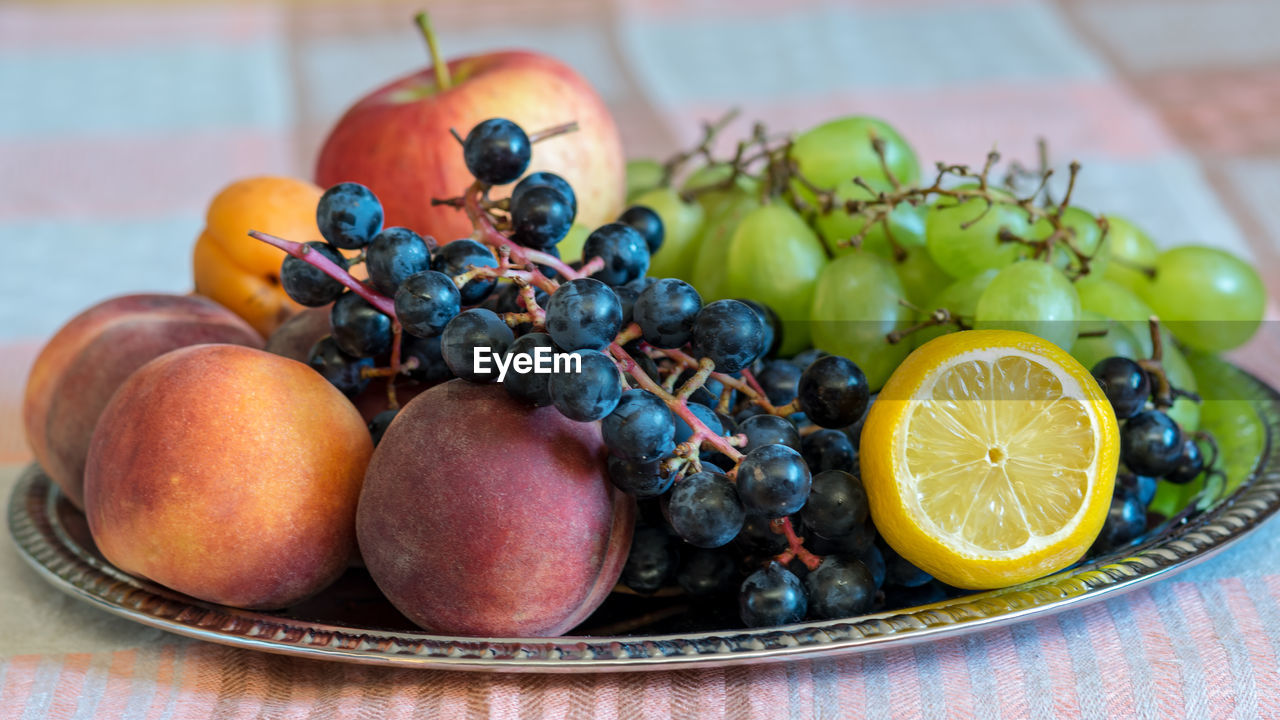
{"x": 835, "y": 231}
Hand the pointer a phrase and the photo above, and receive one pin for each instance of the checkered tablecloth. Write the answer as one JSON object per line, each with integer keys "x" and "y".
{"x": 118, "y": 122}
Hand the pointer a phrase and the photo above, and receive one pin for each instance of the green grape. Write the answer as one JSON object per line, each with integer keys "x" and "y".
{"x": 1210, "y": 299}
{"x": 571, "y": 246}
{"x": 1131, "y": 250}
{"x": 1171, "y": 498}
{"x": 1117, "y": 302}
{"x": 920, "y": 276}
{"x": 775, "y": 258}
{"x": 964, "y": 251}
{"x": 1232, "y": 419}
{"x": 1185, "y": 412}
{"x": 840, "y": 150}
{"x": 960, "y": 298}
{"x": 712, "y": 242}
{"x": 642, "y": 175}
{"x": 1086, "y": 236}
{"x": 1117, "y": 342}
{"x": 906, "y": 222}
{"x": 855, "y": 304}
{"x": 1230, "y": 415}
{"x": 714, "y": 202}
{"x": 831, "y": 155}
{"x": 1033, "y": 297}
{"x": 681, "y": 222}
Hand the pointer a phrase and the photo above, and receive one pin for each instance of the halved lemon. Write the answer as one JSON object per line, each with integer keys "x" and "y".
{"x": 989, "y": 458}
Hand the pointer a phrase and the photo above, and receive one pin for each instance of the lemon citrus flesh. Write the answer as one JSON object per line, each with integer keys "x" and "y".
{"x": 989, "y": 458}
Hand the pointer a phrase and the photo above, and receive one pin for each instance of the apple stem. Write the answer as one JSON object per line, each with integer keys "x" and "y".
{"x": 443, "y": 79}
{"x": 384, "y": 304}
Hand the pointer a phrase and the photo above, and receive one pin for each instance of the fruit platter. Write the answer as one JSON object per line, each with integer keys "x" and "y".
{"x": 489, "y": 396}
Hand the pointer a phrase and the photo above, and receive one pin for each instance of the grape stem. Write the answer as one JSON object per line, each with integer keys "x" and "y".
{"x": 405, "y": 367}
{"x": 553, "y": 131}
{"x": 795, "y": 545}
{"x": 486, "y": 234}
{"x": 755, "y": 384}
{"x": 808, "y": 430}
{"x": 684, "y": 359}
{"x": 1164, "y": 393}
{"x": 738, "y": 165}
{"x": 303, "y": 252}
{"x": 1208, "y": 437}
{"x": 705, "y": 366}
{"x": 628, "y": 334}
{"x": 878, "y": 146}
{"x": 940, "y": 316}
{"x": 397, "y": 334}
{"x": 1146, "y": 270}
{"x": 703, "y": 149}
{"x": 678, "y": 406}
{"x": 529, "y": 299}
{"x": 781, "y": 174}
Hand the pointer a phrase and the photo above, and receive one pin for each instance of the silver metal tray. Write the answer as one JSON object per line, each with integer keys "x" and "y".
{"x": 351, "y": 622}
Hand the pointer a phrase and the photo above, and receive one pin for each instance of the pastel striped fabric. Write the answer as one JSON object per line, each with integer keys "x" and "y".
{"x": 1179, "y": 650}
{"x": 119, "y": 121}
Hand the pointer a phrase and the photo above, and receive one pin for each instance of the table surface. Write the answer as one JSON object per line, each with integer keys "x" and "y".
{"x": 120, "y": 121}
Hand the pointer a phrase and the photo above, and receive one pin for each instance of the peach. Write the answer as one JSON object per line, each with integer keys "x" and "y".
{"x": 229, "y": 474}
{"x": 483, "y": 516}
{"x": 82, "y": 365}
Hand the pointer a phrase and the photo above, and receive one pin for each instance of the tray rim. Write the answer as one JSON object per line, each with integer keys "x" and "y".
{"x": 56, "y": 557}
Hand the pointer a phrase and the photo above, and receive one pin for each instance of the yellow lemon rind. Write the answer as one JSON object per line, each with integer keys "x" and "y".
{"x": 897, "y": 521}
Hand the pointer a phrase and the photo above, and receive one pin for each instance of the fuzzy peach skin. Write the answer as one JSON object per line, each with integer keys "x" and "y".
{"x": 82, "y": 365}
{"x": 483, "y": 516}
{"x": 396, "y": 140}
{"x": 229, "y": 474}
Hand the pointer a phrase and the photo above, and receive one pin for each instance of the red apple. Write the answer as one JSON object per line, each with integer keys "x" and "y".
{"x": 396, "y": 140}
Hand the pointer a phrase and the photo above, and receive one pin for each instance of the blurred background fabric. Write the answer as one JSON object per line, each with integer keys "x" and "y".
{"x": 119, "y": 122}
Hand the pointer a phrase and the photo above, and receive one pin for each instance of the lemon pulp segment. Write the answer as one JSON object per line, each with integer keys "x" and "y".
{"x": 1002, "y": 450}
